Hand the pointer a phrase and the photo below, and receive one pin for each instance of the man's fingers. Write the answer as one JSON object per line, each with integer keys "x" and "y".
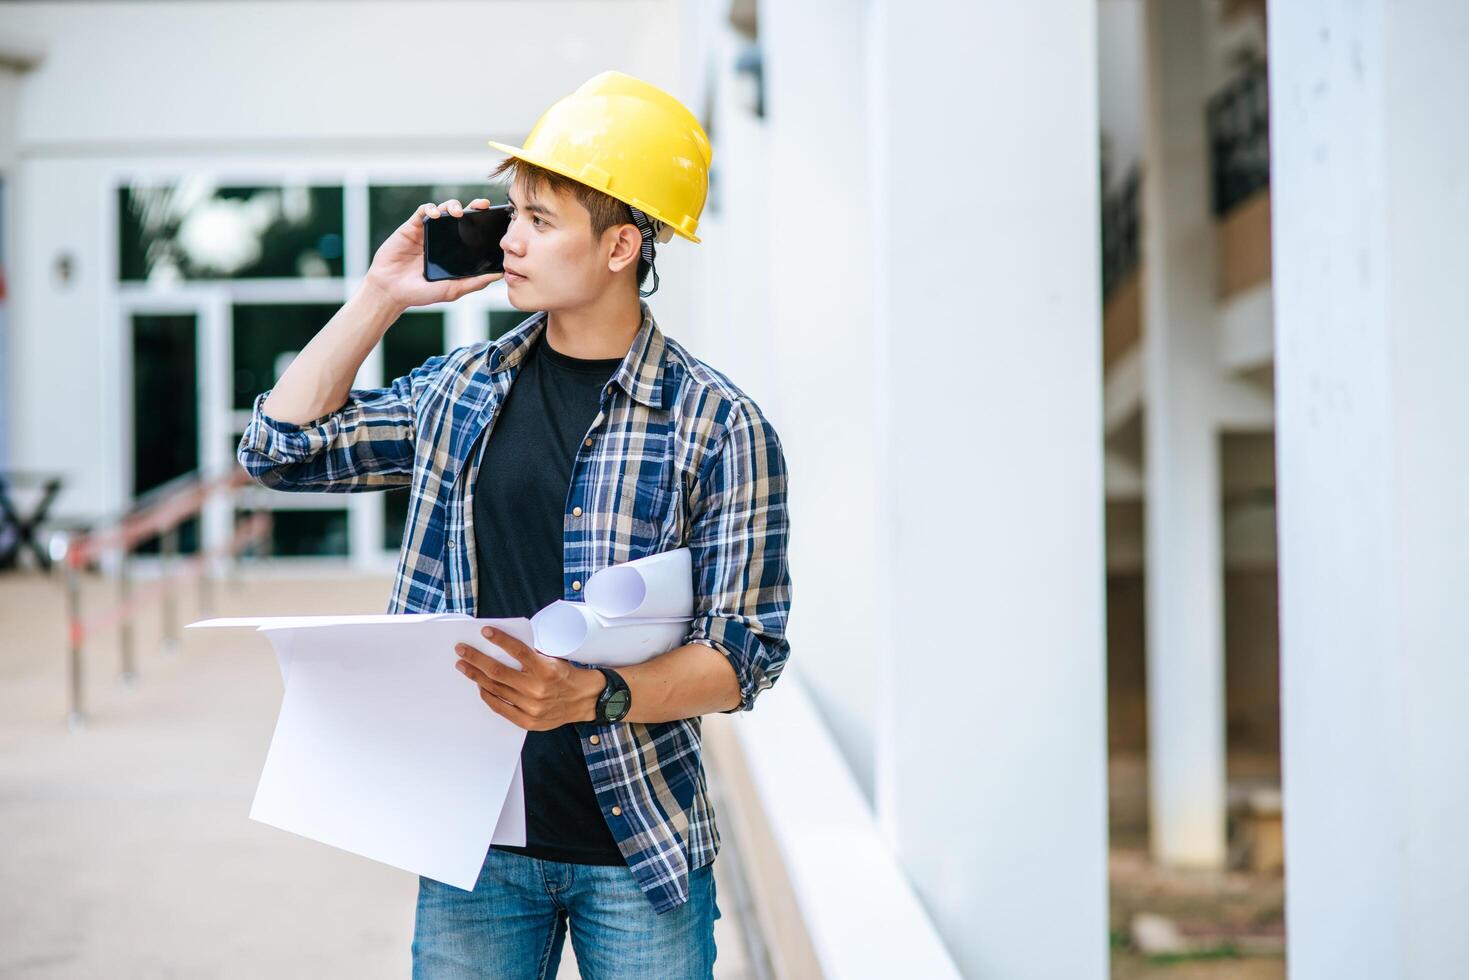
{"x": 522, "y": 653}
{"x": 507, "y": 710}
{"x": 453, "y": 207}
{"x": 500, "y": 684}
{"x": 463, "y": 287}
{"x": 482, "y": 661}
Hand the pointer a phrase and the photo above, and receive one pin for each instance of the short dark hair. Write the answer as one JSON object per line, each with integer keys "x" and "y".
{"x": 606, "y": 211}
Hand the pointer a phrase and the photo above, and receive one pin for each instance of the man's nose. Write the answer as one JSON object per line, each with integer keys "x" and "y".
{"x": 512, "y": 243}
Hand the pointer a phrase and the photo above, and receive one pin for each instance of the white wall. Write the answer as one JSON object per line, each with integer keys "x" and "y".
{"x": 251, "y": 87}
{"x": 821, "y": 269}
{"x": 119, "y": 76}
{"x": 1371, "y": 203}
{"x": 991, "y": 748}
{"x": 9, "y": 95}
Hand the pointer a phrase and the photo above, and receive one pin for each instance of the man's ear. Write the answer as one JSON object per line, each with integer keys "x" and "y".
{"x": 626, "y": 247}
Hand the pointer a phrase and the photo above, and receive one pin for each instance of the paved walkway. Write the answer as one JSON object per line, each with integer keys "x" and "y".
{"x": 127, "y": 848}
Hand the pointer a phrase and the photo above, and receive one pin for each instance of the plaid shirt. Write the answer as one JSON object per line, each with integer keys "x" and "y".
{"x": 677, "y": 456}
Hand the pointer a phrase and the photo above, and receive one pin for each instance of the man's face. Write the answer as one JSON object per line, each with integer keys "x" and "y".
{"x": 552, "y": 261}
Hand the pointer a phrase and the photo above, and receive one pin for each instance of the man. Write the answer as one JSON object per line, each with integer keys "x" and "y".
{"x": 582, "y": 438}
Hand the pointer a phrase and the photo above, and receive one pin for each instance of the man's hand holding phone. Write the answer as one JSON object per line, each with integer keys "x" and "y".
{"x": 397, "y": 268}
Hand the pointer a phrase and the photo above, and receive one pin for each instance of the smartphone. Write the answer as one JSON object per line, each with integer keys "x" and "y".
{"x": 458, "y": 248}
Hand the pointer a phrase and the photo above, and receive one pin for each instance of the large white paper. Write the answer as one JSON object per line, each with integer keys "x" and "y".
{"x": 383, "y": 749}
{"x": 658, "y": 586}
{"x": 511, "y": 828}
{"x": 271, "y": 622}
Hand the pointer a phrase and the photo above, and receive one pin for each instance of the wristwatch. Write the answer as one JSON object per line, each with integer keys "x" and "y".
{"x": 615, "y": 700}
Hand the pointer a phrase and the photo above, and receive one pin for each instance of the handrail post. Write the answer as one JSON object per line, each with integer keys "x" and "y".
{"x": 206, "y": 581}
{"x": 267, "y": 537}
{"x": 230, "y": 570}
{"x": 203, "y": 554}
{"x": 76, "y": 717}
{"x": 168, "y": 549}
{"x": 128, "y": 668}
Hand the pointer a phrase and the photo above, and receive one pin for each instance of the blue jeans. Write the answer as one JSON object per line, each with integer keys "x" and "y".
{"x": 514, "y": 922}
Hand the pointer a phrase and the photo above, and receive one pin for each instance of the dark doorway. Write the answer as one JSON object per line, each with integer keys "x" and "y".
{"x": 165, "y": 407}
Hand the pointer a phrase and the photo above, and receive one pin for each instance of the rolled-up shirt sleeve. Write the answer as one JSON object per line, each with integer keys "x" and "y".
{"x": 367, "y": 444}
{"x": 738, "y": 540}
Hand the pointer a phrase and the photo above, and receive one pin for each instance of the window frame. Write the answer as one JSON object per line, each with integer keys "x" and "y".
{"x": 211, "y": 301}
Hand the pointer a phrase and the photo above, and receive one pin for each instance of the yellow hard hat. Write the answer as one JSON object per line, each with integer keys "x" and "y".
{"x": 630, "y": 140}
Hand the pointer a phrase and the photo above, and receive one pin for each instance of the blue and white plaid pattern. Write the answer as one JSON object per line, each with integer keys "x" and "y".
{"x": 678, "y": 456}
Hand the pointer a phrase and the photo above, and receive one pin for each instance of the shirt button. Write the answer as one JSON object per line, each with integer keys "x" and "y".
{"x": 617, "y": 811}
{"x": 588, "y": 443}
{"x": 609, "y": 389}
{"x": 453, "y": 545}
{"x": 596, "y": 740}
{"x": 576, "y": 512}
{"x": 576, "y": 586}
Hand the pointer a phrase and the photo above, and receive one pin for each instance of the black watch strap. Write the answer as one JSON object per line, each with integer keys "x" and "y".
{"x": 615, "y": 701}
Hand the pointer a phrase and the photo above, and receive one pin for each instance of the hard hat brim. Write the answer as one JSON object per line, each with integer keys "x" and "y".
{"x": 519, "y": 153}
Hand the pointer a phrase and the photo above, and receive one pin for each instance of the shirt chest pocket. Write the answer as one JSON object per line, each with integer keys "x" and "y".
{"x": 650, "y": 515}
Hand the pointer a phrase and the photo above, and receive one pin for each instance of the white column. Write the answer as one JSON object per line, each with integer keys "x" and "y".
{"x": 821, "y": 308}
{"x": 991, "y": 681}
{"x": 1184, "y": 568}
{"x": 364, "y": 510}
{"x": 215, "y": 371}
{"x": 1371, "y": 220}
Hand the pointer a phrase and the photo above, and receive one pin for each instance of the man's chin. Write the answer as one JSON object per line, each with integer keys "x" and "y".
{"x": 521, "y": 298}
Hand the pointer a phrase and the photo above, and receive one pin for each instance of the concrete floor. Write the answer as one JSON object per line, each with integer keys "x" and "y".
{"x": 127, "y": 847}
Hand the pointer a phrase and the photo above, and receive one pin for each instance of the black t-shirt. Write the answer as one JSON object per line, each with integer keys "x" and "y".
{"x": 519, "y": 505}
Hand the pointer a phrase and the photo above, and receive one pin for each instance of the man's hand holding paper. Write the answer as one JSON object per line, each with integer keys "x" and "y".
{"x": 545, "y": 693}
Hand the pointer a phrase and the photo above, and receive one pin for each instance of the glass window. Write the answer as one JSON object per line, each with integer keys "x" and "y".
{"x": 165, "y": 410}
{"x": 314, "y": 532}
{"x": 395, "y": 517}
{"x": 194, "y": 230}
{"x": 165, "y": 399}
{"x": 391, "y": 205}
{"x": 266, "y": 337}
{"x": 413, "y": 339}
{"x": 505, "y": 320}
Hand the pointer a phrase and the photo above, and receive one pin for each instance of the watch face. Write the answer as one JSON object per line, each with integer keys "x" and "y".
{"x": 617, "y": 705}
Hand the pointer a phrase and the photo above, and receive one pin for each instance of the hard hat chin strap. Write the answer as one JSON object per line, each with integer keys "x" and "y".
{"x": 649, "y": 229}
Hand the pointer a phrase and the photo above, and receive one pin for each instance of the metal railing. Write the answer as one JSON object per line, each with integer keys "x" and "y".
{"x": 1239, "y": 139}
{"x": 158, "y": 514}
{"x": 1121, "y": 231}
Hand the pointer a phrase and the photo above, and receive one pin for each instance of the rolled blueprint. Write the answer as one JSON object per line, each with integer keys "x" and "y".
{"x": 573, "y": 631}
{"x": 659, "y": 586}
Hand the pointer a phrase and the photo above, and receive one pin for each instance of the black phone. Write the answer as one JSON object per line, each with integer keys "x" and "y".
{"x": 458, "y": 248}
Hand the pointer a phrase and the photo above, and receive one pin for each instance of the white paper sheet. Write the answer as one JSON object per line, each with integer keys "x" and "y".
{"x": 369, "y": 752}
{"x": 658, "y": 586}
{"x": 268, "y": 622}
{"x": 511, "y": 828}
{"x": 571, "y": 630}
{"x": 383, "y": 749}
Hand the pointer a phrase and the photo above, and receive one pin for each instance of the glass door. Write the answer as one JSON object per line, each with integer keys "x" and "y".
{"x": 170, "y": 422}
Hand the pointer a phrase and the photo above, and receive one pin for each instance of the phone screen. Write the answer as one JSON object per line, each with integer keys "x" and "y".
{"x": 457, "y": 248}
